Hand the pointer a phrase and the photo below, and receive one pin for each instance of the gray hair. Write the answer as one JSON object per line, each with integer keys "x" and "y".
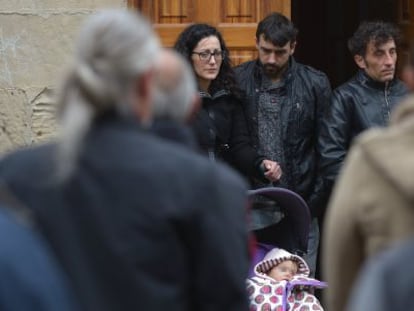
{"x": 175, "y": 87}
{"x": 114, "y": 49}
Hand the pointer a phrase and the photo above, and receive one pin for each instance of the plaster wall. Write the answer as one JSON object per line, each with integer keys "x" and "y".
{"x": 36, "y": 42}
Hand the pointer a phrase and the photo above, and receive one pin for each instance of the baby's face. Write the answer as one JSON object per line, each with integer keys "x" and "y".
{"x": 284, "y": 271}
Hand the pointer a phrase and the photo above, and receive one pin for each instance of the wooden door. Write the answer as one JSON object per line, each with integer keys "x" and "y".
{"x": 405, "y": 20}
{"x": 236, "y": 19}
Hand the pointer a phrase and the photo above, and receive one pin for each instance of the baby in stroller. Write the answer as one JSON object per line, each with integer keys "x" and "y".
{"x": 279, "y": 277}
{"x": 282, "y": 282}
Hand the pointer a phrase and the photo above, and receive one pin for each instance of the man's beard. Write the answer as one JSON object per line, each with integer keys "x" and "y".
{"x": 274, "y": 71}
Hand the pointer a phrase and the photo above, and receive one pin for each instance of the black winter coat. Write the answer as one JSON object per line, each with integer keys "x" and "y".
{"x": 142, "y": 224}
{"x": 357, "y": 105}
{"x": 221, "y": 130}
{"x": 308, "y": 94}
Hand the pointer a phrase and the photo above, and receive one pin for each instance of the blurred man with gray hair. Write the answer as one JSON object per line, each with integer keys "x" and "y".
{"x": 175, "y": 98}
{"x": 136, "y": 222}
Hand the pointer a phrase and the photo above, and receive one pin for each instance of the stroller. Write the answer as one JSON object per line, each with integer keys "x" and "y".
{"x": 289, "y": 234}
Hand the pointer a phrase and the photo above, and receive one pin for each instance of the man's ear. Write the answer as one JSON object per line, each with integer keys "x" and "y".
{"x": 292, "y": 47}
{"x": 143, "y": 93}
{"x": 360, "y": 61}
{"x": 256, "y": 41}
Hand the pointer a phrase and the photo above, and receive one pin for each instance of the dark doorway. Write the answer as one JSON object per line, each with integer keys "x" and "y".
{"x": 325, "y": 26}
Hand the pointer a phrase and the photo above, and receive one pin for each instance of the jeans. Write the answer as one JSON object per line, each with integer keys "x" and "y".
{"x": 313, "y": 244}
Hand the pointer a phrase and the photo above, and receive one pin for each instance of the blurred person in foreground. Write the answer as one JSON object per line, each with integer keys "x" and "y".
{"x": 386, "y": 281}
{"x": 175, "y": 98}
{"x": 31, "y": 278}
{"x": 136, "y": 222}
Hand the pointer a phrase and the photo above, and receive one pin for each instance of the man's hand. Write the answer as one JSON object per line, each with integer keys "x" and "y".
{"x": 272, "y": 170}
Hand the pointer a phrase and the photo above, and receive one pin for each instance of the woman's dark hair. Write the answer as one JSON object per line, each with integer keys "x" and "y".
{"x": 188, "y": 40}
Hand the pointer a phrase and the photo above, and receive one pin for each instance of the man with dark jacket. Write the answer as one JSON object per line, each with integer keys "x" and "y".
{"x": 285, "y": 103}
{"x": 136, "y": 222}
{"x": 366, "y": 100}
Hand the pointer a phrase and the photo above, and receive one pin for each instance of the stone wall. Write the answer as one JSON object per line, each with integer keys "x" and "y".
{"x": 36, "y": 42}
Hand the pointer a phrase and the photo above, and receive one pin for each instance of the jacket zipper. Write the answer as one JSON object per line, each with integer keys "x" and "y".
{"x": 386, "y": 101}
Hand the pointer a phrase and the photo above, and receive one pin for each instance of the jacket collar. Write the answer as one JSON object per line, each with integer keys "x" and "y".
{"x": 114, "y": 119}
{"x": 219, "y": 93}
{"x": 364, "y": 79}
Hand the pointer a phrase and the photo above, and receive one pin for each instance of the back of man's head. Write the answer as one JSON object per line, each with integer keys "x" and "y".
{"x": 114, "y": 48}
{"x": 175, "y": 91}
{"x": 378, "y": 32}
{"x": 115, "y": 52}
{"x": 277, "y": 29}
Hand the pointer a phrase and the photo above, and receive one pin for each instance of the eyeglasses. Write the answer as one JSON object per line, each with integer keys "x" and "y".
{"x": 206, "y": 55}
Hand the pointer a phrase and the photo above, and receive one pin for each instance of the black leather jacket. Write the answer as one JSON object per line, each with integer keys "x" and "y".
{"x": 357, "y": 105}
{"x": 308, "y": 93}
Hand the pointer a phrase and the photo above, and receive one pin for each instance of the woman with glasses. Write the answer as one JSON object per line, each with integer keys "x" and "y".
{"x": 220, "y": 125}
